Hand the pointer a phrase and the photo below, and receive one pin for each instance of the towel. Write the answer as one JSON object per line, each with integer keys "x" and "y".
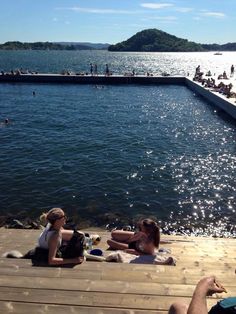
{"x": 123, "y": 257}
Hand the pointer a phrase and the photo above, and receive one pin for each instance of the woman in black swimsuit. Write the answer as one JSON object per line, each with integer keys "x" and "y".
{"x": 145, "y": 241}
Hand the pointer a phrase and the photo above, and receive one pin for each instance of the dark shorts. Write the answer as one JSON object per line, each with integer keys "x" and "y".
{"x": 132, "y": 245}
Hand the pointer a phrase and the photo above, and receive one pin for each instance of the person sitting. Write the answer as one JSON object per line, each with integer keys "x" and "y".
{"x": 225, "y": 76}
{"x": 145, "y": 241}
{"x": 227, "y": 90}
{"x": 220, "y": 87}
{"x": 208, "y": 73}
{"x": 198, "y": 305}
{"x": 52, "y": 238}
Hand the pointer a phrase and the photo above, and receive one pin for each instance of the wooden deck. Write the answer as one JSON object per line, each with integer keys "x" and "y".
{"x": 98, "y": 288}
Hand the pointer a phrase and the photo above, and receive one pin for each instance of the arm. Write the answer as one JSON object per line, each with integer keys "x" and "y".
{"x": 137, "y": 236}
{"x": 206, "y": 286}
{"x": 53, "y": 260}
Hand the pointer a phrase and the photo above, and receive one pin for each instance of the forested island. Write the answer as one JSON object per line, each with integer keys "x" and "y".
{"x": 149, "y": 40}
{"x": 154, "y": 40}
{"x": 17, "y": 45}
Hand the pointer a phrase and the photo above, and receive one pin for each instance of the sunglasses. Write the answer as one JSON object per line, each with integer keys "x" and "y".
{"x": 64, "y": 216}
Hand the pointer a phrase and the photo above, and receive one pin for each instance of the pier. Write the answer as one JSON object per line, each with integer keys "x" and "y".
{"x": 105, "y": 288}
{"x": 91, "y": 79}
{"x": 220, "y": 101}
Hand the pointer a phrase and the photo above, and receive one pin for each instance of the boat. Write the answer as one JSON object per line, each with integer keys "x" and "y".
{"x": 218, "y": 53}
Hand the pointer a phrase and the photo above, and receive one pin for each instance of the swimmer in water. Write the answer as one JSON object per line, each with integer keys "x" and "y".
{"x": 5, "y": 122}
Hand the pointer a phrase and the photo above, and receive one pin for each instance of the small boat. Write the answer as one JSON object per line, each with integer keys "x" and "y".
{"x": 218, "y": 53}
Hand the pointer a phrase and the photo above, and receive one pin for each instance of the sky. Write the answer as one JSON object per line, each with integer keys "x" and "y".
{"x": 112, "y": 21}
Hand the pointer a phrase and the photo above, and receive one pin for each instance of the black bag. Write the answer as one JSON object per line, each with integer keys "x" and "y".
{"x": 75, "y": 247}
{"x": 39, "y": 256}
{"x": 225, "y": 306}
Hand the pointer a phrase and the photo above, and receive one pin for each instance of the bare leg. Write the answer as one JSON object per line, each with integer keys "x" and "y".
{"x": 67, "y": 234}
{"x": 117, "y": 245}
{"x": 178, "y": 308}
{"x": 121, "y": 235}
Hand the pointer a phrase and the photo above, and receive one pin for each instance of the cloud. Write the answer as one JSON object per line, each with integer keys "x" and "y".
{"x": 162, "y": 18}
{"x": 166, "y": 18}
{"x": 156, "y": 6}
{"x": 97, "y": 11}
{"x": 184, "y": 10}
{"x": 214, "y": 14}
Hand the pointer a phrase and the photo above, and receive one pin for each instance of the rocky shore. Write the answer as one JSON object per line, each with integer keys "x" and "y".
{"x": 110, "y": 221}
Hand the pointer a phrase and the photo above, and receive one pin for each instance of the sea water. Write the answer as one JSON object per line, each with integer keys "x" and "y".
{"x": 115, "y": 153}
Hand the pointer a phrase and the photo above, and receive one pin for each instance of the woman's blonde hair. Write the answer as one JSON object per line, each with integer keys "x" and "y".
{"x": 51, "y": 216}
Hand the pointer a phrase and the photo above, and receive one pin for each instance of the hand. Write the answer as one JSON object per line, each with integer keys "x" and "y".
{"x": 79, "y": 259}
{"x": 209, "y": 285}
{"x": 138, "y": 236}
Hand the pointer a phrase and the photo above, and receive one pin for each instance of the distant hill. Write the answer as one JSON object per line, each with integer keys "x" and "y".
{"x": 99, "y": 46}
{"x": 224, "y": 47}
{"x": 147, "y": 40}
{"x": 17, "y": 45}
{"x": 156, "y": 40}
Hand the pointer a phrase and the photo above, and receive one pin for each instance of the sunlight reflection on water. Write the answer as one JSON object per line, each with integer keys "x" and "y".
{"x": 115, "y": 153}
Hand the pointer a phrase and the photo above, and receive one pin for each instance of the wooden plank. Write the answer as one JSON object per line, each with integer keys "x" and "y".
{"x": 115, "y": 274}
{"x": 111, "y": 269}
{"x": 207, "y": 264}
{"x": 178, "y": 253}
{"x": 96, "y": 285}
{"x": 101, "y": 286}
{"x": 23, "y": 308}
{"x": 109, "y": 300}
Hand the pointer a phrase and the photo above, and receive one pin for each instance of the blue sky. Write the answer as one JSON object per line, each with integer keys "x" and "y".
{"x": 112, "y": 21}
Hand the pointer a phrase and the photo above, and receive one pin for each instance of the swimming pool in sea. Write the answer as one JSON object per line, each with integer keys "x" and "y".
{"x": 117, "y": 152}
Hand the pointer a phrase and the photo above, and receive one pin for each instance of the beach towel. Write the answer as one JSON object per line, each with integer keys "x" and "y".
{"x": 157, "y": 259}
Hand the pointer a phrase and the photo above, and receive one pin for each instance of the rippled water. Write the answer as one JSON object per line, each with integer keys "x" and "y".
{"x": 119, "y": 62}
{"x": 116, "y": 152}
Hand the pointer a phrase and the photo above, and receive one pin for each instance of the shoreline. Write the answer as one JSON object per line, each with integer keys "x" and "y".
{"x": 175, "y": 228}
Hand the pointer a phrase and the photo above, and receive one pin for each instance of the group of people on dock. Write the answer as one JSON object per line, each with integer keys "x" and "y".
{"x": 18, "y": 72}
{"x": 209, "y": 82}
{"x": 63, "y": 246}
{"x": 60, "y": 246}
{"x": 92, "y": 71}
{"x": 145, "y": 241}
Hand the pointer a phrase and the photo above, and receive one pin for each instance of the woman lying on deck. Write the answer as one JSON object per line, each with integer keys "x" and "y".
{"x": 145, "y": 241}
{"x": 50, "y": 242}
